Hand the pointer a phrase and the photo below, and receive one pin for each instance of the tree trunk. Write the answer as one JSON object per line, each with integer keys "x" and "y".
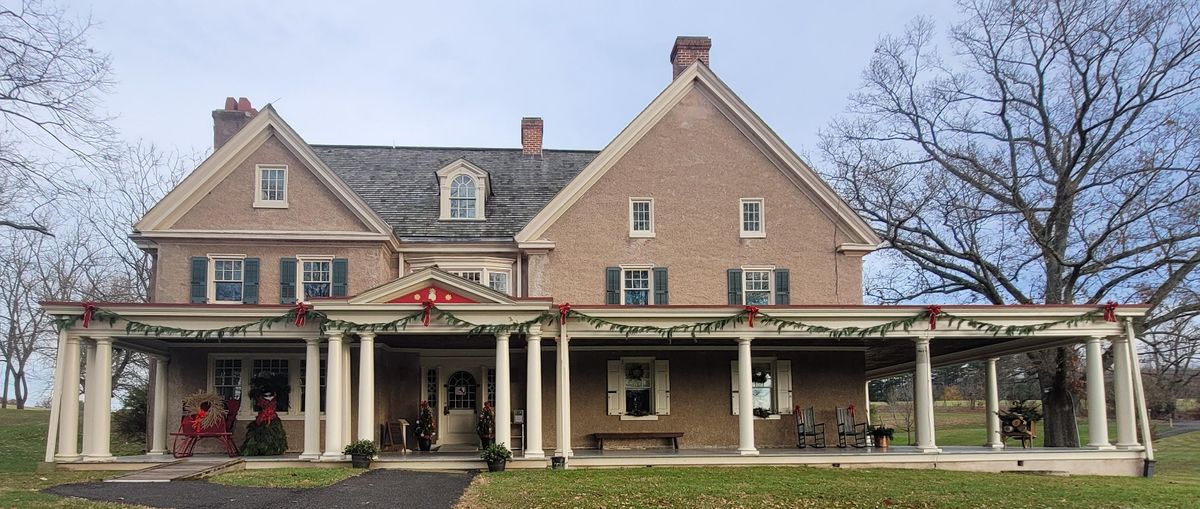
{"x": 1056, "y": 377}
{"x": 4, "y": 398}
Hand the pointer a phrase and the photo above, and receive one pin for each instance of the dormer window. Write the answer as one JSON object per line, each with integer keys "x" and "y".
{"x": 464, "y": 190}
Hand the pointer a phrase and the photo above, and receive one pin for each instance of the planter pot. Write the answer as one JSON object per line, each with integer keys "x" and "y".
{"x": 882, "y": 442}
{"x": 424, "y": 444}
{"x": 558, "y": 462}
{"x": 360, "y": 461}
{"x": 496, "y": 466}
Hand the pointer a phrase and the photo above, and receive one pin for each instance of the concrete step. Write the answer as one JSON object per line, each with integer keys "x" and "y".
{"x": 183, "y": 470}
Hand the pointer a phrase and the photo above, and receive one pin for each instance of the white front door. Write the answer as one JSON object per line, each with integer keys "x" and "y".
{"x": 460, "y": 407}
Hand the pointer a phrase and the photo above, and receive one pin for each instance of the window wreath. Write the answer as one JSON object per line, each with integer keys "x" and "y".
{"x": 760, "y": 376}
{"x": 635, "y": 372}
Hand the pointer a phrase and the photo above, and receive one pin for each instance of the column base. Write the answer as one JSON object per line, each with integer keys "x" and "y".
{"x": 748, "y": 452}
{"x": 98, "y": 459}
{"x": 929, "y": 450}
{"x": 311, "y": 456}
{"x": 534, "y": 455}
{"x": 58, "y": 458}
{"x": 995, "y": 447}
{"x": 1129, "y": 447}
{"x": 1101, "y": 447}
{"x": 162, "y": 451}
{"x": 332, "y": 457}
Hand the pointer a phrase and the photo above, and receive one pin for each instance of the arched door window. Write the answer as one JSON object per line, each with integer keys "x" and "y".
{"x": 462, "y": 197}
{"x": 461, "y": 390}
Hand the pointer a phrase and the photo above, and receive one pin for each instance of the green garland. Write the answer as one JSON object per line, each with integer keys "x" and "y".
{"x": 146, "y": 329}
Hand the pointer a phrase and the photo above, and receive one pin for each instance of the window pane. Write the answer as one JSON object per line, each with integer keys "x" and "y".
{"x": 274, "y": 372}
{"x": 316, "y": 279}
{"x": 461, "y": 389}
{"x": 639, "y": 391}
{"x": 473, "y": 276}
{"x": 763, "y": 382}
{"x": 637, "y": 287}
{"x": 641, "y": 216}
{"x": 757, "y": 287}
{"x": 491, "y": 386}
{"x": 272, "y": 184}
{"x": 462, "y": 197}
{"x": 752, "y": 216}
{"x": 498, "y": 281}
{"x": 431, "y": 387}
{"x": 227, "y": 378}
{"x": 229, "y": 292}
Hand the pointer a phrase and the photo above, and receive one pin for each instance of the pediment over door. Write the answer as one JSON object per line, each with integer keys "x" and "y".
{"x": 433, "y": 285}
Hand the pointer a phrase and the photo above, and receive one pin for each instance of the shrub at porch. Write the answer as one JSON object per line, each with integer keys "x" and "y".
{"x": 486, "y": 427}
{"x": 425, "y": 428}
{"x": 265, "y": 435}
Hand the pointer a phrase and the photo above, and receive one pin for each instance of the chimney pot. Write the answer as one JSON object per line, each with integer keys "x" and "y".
{"x": 231, "y": 119}
{"x": 230, "y": 103}
{"x": 689, "y": 49}
{"x": 531, "y": 136}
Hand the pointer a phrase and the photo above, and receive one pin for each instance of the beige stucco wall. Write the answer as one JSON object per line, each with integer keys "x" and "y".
{"x": 370, "y": 264}
{"x": 696, "y": 165}
{"x": 230, "y": 205}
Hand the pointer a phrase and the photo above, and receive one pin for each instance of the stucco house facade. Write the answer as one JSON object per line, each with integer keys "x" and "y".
{"x": 578, "y": 292}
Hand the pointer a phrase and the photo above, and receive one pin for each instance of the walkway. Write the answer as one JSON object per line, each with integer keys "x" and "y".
{"x": 197, "y": 467}
{"x": 375, "y": 488}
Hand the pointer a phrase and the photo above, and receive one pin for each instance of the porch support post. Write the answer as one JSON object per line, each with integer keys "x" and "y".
{"x": 89, "y": 396}
{"x": 533, "y": 395}
{"x": 923, "y": 395}
{"x": 158, "y": 440}
{"x": 366, "y": 386}
{"x": 333, "y": 398}
{"x": 312, "y": 399}
{"x": 346, "y": 414}
{"x": 101, "y": 400}
{"x": 68, "y": 424}
{"x": 563, "y": 393}
{"x": 993, "y": 407}
{"x": 56, "y": 399}
{"x": 745, "y": 399}
{"x": 1123, "y": 394}
{"x": 503, "y": 392}
{"x": 1096, "y": 412}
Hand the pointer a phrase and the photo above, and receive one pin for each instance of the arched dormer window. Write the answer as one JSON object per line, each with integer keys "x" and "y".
{"x": 464, "y": 191}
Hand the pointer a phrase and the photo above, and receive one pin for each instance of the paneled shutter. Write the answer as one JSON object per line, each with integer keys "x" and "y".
{"x": 662, "y": 387}
{"x": 734, "y": 277}
{"x": 660, "y": 285}
{"x": 614, "y": 387}
{"x": 199, "y": 288}
{"x": 612, "y": 285}
{"x": 782, "y": 293}
{"x": 783, "y": 387}
{"x": 733, "y": 377}
{"x": 339, "y": 276}
{"x": 250, "y": 281}
{"x": 287, "y": 280}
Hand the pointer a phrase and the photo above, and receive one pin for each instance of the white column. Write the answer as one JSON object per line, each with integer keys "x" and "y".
{"x": 56, "y": 399}
{"x": 745, "y": 399}
{"x": 503, "y": 392}
{"x": 333, "y": 398}
{"x": 102, "y": 400}
{"x": 993, "y": 407}
{"x": 366, "y": 386}
{"x": 68, "y": 424}
{"x": 158, "y": 439}
{"x": 1123, "y": 394}
{"x": 1097, "y": 413}
{"x": 533, "y": 395}
{"x": 563, "y": 394}
{"x": 89, "y": 396}
{"x": 347, "y": 411}
{"x": 312, "y": 399}
{"x": 923, "y": 395}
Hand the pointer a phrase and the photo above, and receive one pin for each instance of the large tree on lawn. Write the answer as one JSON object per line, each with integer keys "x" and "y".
{"x": 1045, "y": 151}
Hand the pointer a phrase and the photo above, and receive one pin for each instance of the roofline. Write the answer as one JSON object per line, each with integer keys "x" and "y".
{"x": 421, "y": 147}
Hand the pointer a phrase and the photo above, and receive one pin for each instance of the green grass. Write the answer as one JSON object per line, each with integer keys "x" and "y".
{"x": 287, "y": 477}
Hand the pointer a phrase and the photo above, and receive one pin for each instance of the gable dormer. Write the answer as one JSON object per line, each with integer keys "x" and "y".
{"x": 463, "y": 189}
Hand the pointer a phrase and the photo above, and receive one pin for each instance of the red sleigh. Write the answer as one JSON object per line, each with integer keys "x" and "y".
{"x": 190, "y": 432}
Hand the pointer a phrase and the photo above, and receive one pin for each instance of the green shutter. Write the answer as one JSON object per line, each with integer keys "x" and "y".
{"x": 660, "y": 286}
{"x": 250, "y": 281}
{"x": 199, "y": 290}
{"x": 339, "y": 277}
{"x": 782, "y": 293}
{"x": 734, "y": 277}
{"x": 612, "y": 285}
{"x": 287, "y": 280}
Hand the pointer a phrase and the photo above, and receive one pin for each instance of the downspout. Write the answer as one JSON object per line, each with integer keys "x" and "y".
{"x": 1140, "y": 396}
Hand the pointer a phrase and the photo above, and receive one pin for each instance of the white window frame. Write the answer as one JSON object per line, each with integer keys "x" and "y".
{"x": 770, "y": 270}
{"x": 653, "y": 416}
{"x": 246, "y": 412}
{"x": 649, "y": 283}
{"x": 774, "y": 363}
{"x": 259, "y": 202}
{"x": 486, "y": 266}
{"x": 300, "y": 259}
{"x": 641, "y": 233}
{"x": 762, "y": 223}
{"x": 446, "y": 176}
{"x": 212, "y": 276}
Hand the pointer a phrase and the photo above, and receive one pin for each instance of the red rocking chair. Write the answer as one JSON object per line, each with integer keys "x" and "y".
{"x": 190, "y": 433}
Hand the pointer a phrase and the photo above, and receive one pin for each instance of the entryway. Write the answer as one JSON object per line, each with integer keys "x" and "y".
{"x": 458, "y": 387}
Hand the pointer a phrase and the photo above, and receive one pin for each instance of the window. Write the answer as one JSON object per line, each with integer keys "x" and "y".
{"x": 271, "y": 187}
{"x": 635, "y": 287}
{"x": 227, "y": 378}
{"x": 462, "y": 197}
{"x": 233, "y": 376}
{"x": 491, "y": 386}
{"x": 227, "y": 280}
{"x": 431, "y": 387}
{"x": 498, "y": 281}
{"x": 638, "y": 388}
{"x": 273, "y": 372}
{"x": 494, "y": 274}
{"x": 752, "y": 218}
{"x": 474, "y": 276}
{"x": 315, "y": 278}
{"x": 461, "y": 390}
{"x": 641, "y": 217}
{"x": 762, "y": 380}
{"x": 770, "y": 387}
{"x": 304, "y": 383}
{"x": 756, "y": 287}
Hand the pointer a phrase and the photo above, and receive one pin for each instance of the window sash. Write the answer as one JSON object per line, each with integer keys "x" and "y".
{"x": 316, "y": 278}
{"x": 228, "y": 279}
{"x": 462, "y": 197}
{"x": 272, "y": 184}
{"x": 751, "y": 216}
{"x": 641, "y": 216}
{"x": 635, "y": 287}
{"x": 638, "y": 392}
{"x": 276, "y": 366}
{"x": 498, "y": 281}
{"x": 763, "y": 393}
{"x": 227, "y": 378}
{"x": 756, "y": 287}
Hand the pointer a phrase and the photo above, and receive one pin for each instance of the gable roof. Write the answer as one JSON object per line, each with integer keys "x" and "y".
{"x": 698, "y": 76}
{"x": 400, "y": 184}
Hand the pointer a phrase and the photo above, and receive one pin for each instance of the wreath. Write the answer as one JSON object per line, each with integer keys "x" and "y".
{"x": 635, "y": 372}
{"x": 208, "y": 408}
{"x": 759, "y": 376}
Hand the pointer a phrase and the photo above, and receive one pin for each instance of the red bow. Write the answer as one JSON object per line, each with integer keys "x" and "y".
{"x": 1110, "y": 312}
{"x": 563, "y": 310}
{"x": 267, "y": 414}
{"x": 427, "y": 306}
{"x": 934, "y": 310}
{"x": 301, "y": 312}
{"x": 88, "y": 309}
{"x": 196, "y": 422}
{"x": 751, "y": 311}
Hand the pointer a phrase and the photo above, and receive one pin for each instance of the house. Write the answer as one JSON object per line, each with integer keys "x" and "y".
{"x": 694, "y": 277}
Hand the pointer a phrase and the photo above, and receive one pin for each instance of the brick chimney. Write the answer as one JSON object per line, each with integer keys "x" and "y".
{"x": 688, "y": 49}
{"x": 228, "y": 121}
{"x": 531, "y": 136}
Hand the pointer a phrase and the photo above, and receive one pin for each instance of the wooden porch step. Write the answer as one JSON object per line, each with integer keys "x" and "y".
{"x": 183, "y": 470}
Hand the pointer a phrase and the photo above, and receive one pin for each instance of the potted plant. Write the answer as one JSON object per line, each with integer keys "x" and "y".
{"x": 361, "y": 452}
{"x": 425, "y": 428}
{"x": 486, "y": 426}
{"x": 496, "y": 456}
{"x": 882, "y": 435}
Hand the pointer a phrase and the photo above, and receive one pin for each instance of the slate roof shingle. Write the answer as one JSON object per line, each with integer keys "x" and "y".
{"x": 400, "y": 184}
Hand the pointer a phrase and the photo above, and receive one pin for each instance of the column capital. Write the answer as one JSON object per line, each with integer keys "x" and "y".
{"x": 102, "y": 339}
{"x": 1096, "y": 338}
{"x": 502, "y": 336}
{"x": 312, "y": 340}
{"x": 335, "y": 335}
{"x": 745, "y": 339}
{"x": 75, "y": 340}
{"x": 534, "y": 331}
{"x": 924, "y": 339}
{"x": 366, "y": 336}
{"x": 992, "y": 360}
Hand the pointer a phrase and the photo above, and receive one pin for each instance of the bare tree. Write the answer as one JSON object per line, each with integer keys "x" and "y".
{"x": 1050, "y": 155}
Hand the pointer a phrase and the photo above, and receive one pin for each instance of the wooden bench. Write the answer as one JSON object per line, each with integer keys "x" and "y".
{"x": 673, "y": 436}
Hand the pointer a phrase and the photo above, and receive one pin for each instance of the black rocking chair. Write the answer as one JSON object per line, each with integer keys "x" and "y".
{"x": 856, "y": 432}
{"x": 807, "y": 426}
